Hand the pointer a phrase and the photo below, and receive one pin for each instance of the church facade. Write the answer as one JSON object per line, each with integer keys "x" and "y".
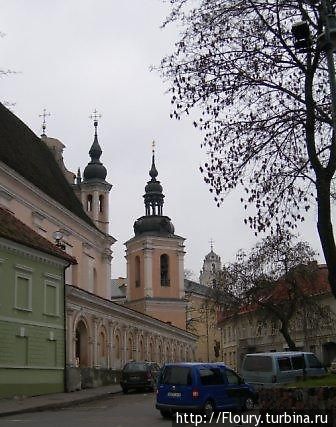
{"x": 73, "y": 211}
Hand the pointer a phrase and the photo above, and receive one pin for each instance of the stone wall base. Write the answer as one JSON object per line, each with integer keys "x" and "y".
{"x": 81, "y": 378}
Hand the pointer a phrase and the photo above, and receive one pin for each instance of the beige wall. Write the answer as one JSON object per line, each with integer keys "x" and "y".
{"x": 163, "y": 302}
{"x": 245, "y": 333}
{"x": 90, "y": 247}
{"x": 202, "y": 320}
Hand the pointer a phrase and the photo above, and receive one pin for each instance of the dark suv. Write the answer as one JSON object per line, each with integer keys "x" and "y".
{"x": 139, "y": 375}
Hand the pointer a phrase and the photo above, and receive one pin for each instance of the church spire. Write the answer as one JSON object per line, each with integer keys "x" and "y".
{"x": 95, "y": 169}
{"x": 153, "y": 191}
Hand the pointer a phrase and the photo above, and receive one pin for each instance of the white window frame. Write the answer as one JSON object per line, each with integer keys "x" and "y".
{"x": 30, "y": 291}
{"x": 55, "y": 285}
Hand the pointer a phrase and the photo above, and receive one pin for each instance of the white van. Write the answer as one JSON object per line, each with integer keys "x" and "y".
{"x": 280, "y": 367}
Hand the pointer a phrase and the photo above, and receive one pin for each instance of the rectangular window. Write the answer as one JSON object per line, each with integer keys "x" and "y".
{"x": 51, "y": 298}
{"x": 313, "y": 361}
{"x": 258, "y": 363}
{"x": 298, "y": 362}
{"x": 23, "y": 292}
{"x": 176, "y": 375}
{"x": 284, "y": 364}
{"x": 211, "y": 376}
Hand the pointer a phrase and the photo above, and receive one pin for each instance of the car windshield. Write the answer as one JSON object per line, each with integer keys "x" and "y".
{"x": 135, "y": 367}
{"x": 176, "y": 375}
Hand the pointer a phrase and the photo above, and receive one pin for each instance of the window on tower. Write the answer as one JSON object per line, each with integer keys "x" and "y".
{"x": 89, "y": 203}
{"x": 137, "y": 271}
{"x": 164, "y": 269}
{"x": 101, "y": 203}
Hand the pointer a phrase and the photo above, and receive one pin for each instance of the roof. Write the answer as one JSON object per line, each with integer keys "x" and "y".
{"x": 198, "y": 364}
{"x": 13, "y": 229}
{"x": 317, "y": 284}
{"x": 118, "y": 287}
{"x": 280, "y": 353}
{"x": 196, "y": 288}
{"x": 29, "y": 156}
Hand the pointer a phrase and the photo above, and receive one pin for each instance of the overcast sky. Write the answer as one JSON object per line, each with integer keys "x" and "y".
{"x": 74, "y": 56}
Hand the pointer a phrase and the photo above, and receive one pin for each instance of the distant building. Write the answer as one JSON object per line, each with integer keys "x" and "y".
{"x": 201, "y": 318}
{"x": 32, "y": 312}
{"x": 245, "y": 332}
{"x": 211, "y": 265}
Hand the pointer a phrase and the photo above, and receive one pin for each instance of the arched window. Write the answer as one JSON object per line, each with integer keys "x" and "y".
{"x": 137, "y": 271}
{"x": 82, "y": 344}
{"x": 164, "y": 269}
{"x": 101, "y": 203}
{"x": 141, "y": 350}
{"x": 130, "y": 349}
{"x": 102, "y": 348}
{"x": 117, "y": 347}
{"x": 89, "y": 203}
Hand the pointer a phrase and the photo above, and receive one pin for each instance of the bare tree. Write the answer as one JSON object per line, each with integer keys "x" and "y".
{"x": 265, "y": 109}
{"x": 276, "y": 281}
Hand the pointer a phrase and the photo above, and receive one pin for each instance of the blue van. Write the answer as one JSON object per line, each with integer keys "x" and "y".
{"x": 280, "y": 367}
{"x": 202, "y": 387}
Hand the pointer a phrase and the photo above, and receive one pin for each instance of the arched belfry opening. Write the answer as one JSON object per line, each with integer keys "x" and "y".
{"x": 82, "y": 345}
{"x": 164, "y": 270}
{"x": 101, "y": 203}
{"x": 89, "y": 203}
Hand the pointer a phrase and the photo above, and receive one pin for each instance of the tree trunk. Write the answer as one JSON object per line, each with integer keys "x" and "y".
{"x": 285, "y": 333}
{"x": 325, "y": 229}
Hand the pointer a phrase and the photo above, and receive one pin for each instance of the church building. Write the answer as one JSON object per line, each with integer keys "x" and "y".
{"x": 73, "y": 212}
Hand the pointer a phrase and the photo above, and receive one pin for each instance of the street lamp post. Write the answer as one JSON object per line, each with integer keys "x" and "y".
{"x": 326, "y": 42}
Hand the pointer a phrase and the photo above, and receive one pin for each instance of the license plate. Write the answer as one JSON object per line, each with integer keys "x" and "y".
{"x": 173, "y": 394}
{"x": 134, "y": 378}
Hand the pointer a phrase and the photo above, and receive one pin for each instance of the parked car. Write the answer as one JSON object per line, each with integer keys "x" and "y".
{"x": 139, "y": 375}
{"x": 201, "y": 387}
{"x": 280, "y": 367}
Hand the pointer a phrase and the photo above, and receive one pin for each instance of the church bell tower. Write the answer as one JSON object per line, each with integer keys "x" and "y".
{"x": 155, "y": 260}
{"x": 94, "y": 189}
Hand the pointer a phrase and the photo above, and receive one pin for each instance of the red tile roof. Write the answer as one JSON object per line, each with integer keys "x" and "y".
{"x": 13, "y": 229}
{"x": 317, "y": 284}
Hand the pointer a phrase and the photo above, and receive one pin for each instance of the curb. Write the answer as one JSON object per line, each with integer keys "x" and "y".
{"x": 57, "y": 405}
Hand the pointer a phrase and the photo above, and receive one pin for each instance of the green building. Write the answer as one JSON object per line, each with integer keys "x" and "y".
{"x": 32, "y": 320}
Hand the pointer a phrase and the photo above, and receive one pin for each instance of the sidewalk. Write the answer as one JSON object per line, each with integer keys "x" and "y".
{"x": 53, "y": 401}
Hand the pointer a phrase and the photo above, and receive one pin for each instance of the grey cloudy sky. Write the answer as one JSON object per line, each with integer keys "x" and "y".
{"x": 77, "y": 55}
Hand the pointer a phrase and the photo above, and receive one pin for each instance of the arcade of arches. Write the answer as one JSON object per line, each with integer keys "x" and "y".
{"x": 108, "y": 335}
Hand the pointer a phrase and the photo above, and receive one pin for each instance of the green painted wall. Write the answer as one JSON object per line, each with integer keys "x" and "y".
{"x": 31, "y": 324}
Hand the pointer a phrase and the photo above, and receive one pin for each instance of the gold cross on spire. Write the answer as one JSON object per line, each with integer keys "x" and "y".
{"x": 44, "y": 115}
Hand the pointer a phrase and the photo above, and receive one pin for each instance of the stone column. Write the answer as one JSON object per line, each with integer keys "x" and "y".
{"x": 70, "y": 338}
{"x": 95, "y": 362}
{"x": 95, "y": 207}
{"x": 180, "y": 256}
{"x": 148, "y": 271}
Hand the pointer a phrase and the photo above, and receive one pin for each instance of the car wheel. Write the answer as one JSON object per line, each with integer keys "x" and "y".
{"x": 208, "y": 409}
{"x": 248, "y": 404}
{"x": 165, "y": 413}
{"x": 125, "y": 390}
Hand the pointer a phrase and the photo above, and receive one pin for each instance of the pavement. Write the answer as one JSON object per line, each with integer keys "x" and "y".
{"x": 18, "y": 405}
